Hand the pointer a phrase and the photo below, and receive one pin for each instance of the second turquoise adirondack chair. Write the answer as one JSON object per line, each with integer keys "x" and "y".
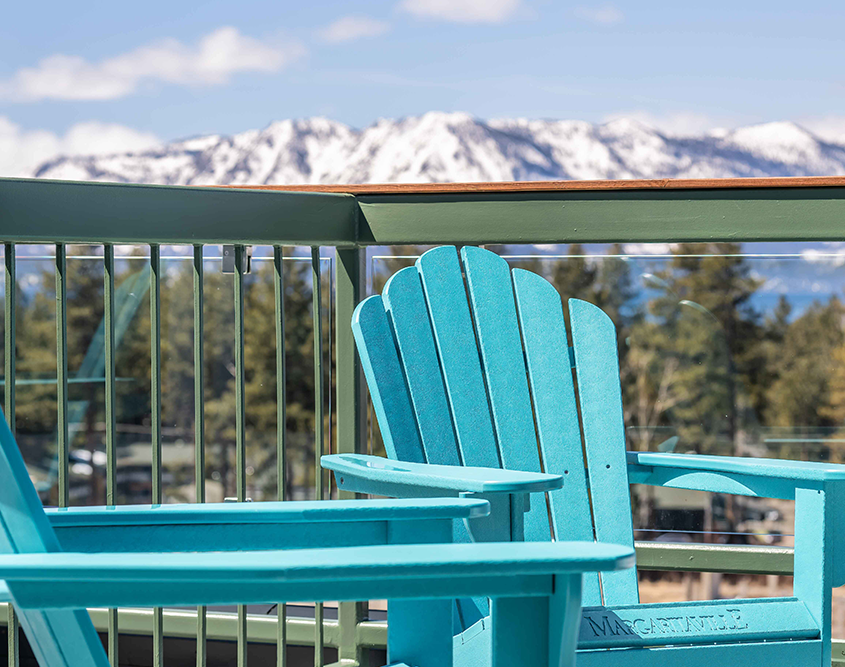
{"x": 56, "y": 564}
{"x": 476, "y": 371}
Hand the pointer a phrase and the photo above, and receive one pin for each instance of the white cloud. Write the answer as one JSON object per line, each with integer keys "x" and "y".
{"x": 649, "y": 248}
{"x": 350, "y": 28}
{"x": 21, "y": 151}
{"x": 828, "y": 128}
{"x": 213, "y": 61}
{"x": 834, "y": 257}
{"x": 463, "y": 11}
{"x": 607, "y": 15}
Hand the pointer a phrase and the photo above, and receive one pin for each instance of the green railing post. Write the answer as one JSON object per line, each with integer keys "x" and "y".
{"x": 317, "y": 321}
{"x": 281, "y": 424}
{"x": 240, "y": 422}
{"x": 61, "y": 373}
{"x": 199, "y": 425}
{"x": 350, "y": 286}
{"x": 9, "y": 343}
{"x": 111, "y": 418}
{"x": 13, "y": 629}
{"x": 155, "y": 419}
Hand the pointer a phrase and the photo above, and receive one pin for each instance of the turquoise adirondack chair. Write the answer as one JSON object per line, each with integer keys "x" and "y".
{"x": 57, "y": 563}
{"x": 480, "y": 375}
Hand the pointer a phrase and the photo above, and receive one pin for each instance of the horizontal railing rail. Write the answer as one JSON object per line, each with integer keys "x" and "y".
{"x": 349, "y": 218}
{"x": 66, "y": 212}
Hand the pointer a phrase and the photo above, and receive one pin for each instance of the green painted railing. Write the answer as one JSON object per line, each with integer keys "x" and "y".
{"x": 62, "y": 213}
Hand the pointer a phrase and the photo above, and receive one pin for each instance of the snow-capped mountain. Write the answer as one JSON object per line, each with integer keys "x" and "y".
{"x": 441, "y": 147}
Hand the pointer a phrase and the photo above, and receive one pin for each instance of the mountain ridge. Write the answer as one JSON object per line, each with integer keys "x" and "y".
{"x": 453, "y": 147}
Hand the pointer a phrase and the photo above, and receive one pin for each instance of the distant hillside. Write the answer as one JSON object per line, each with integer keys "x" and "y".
{"x": 444, "y": 147}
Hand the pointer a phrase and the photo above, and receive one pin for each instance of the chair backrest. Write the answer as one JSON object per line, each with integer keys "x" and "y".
{"x": 468, "y": 363}
{"x": 59, "y": 638}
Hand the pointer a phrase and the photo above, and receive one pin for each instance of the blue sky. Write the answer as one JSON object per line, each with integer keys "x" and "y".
{"x": 78, "y": 77}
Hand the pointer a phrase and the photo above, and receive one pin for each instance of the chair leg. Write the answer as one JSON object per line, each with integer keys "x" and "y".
{"x": 520, "y": 631}
{"x": 814, "y": 554}
{"x": 538, "y": 631}
{"x": 565, "y": 619}
{"x": 419, "y": 632}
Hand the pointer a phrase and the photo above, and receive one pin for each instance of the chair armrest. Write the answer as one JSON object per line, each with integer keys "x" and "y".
{"x": 74, "y": 580}
{"x": 384, "y": 477}
{"x": 771, "y": 478}
{"x": 331, "y": 511}
{"x": 236, "y": 527}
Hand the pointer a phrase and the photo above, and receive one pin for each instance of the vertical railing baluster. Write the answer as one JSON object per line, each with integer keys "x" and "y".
{"x": 9, "y": 314}
{"x": 318, "y": 423}
{"x": 329, "y": 342}
{"x": 111, "y": 418}
{"x": 155, "y": 419}
{"x": 281, "y": 425}
{"x": 350, "y": 287}
{"x": 199, "y": 425}
{"x": 61, "y": 373}
{"x": 240, "y": 422}
{"x": 13, "y": 627}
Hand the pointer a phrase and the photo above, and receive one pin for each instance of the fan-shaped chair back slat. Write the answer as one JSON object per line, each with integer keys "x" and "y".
{"x": 477, "y": 372}
{"x": 600, "y": 395}
{"x": 552, "y": 388}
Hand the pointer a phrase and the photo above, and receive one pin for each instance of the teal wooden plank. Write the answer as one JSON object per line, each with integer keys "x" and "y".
{"x": 564, "y": 618}
{"x": 225, "y": 537}
{"x": 409, "y": 318}
{"x": 274, "y": 512}
{"x": 453, "y": 332}
{"x": 718, "y": 482}
{"x": 815, "y": 530}
{"x": 500, "y": 345}
{"x": 696, "y": 623}
{"x": 544, "y": 336}
{"x": 600, "y": 395}
{"x": 519, "y": 633}
{"x": 395, "y": 562}
{"x": 454, "y": 478}
{"x": 772, "y": 654}
{"x": 804, "y": 471}
{"x": 405, "y": 618}
{"x": 389, "y": 393}
{"x": 180, "y": 593}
